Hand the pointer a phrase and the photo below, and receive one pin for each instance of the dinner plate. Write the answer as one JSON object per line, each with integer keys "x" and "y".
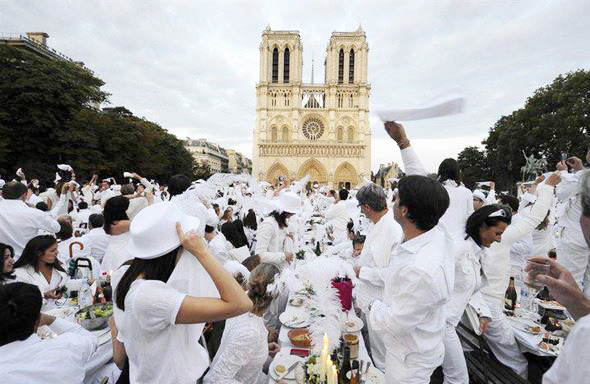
{"x": 352, "y": 325}
{"x": 286, "y": 361}
{"x": 525, "y": 325}
{"x": 294, "y": 320}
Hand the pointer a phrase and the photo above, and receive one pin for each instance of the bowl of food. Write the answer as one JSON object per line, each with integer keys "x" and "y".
{"x": 95, "y": 316}
{"x": 300, "y": 338}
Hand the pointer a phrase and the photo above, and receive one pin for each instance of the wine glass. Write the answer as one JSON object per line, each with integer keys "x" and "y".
{"x": 529, "y": 274}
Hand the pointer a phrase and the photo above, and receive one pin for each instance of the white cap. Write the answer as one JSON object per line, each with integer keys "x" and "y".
{"x": 478, "y": 193}
{"x": 153, "y": 230}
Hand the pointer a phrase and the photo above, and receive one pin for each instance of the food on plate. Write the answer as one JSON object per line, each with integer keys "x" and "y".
{"x": 534, "y": 329}
{"x": 280, "y": 369}
{"x": 95, "y": 311}
{"x": 296, "y": 301}
{"x": 300, "y": 338}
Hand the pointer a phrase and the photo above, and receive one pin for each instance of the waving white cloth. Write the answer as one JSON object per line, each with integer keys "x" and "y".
{"x": 444, "y": 108}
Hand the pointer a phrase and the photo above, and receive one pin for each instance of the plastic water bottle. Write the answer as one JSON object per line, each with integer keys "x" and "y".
{"x": 85, "y": 295}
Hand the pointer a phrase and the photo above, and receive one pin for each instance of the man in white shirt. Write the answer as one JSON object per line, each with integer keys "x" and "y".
{"x": 96, "y": 238}
{"x": 338, "y": 216}
{"x": 18, "y": 222}
{"x": 24, "y": 357}
{"x": 383, "y": 237}
{"x": 420, "y": 279}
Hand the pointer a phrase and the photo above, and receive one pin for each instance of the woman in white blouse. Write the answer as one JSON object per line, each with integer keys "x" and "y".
{"x": 116, "y": 225}
{"x": 7, "y": 265}
{"x": 461, "y": 198}
{"x": 271, "y": 233}
{"x": 244, "y": 344}
{"x": 40, "y": 266}
{"x": 161, "y": 300}
{"x": 484, "y": 227}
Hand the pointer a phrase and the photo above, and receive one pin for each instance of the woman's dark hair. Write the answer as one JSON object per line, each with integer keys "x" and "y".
{"x": 209, "y": 229}
{"x": 449, "y": 170}
{"x": 3, "y": 274}
{"x": 20, "y": 306}
{"x": 482, "y": 216}
{"x": 159, "y": 268}
{"x": 82, "y": 205}
{"x": 234, "y": 233}
{"x": 426, "y": 200}
{"x": 66, "y": 230}
{"x": 350, "y": 226}
{"x": 343, "y": 194}
{"x": 360, "y": 239}
{"x": 33, "y": 251}
{"x": 251, "y": 262}
{"x": 281, "y": 218}
{"x": 115, "y": 209}
{"x": 231, "y": 201}
{"x": 227, "y": 214}
{"x": 250, "y": 220}
{"x": 509, "y": 200}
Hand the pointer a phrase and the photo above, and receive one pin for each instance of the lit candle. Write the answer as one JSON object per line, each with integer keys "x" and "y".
{"x": 329, "y": 367}
{"x": 334, "y": 375}
{"x": 324, "y": 357}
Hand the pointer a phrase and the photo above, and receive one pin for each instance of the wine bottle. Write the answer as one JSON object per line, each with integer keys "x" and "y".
{"x": 510, "y": 296}
{"x": 318, "y": 250}
{"x": 345, "y": 367}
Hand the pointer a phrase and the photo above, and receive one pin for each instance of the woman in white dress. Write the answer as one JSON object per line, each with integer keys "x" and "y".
{"x": 7, "y": 265}
{"x": 40, "y": 266}
{"x": 484, "y": 227}
{"x": 271, "y": 233}
{"x": 244, "y": 344}
{"x": 116, "y": 225}
{"x": 461, "y": 198}
{"x": 166, "y": 295}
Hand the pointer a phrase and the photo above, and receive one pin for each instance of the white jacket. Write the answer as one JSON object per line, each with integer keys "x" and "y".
{"x": 270, "y": 242}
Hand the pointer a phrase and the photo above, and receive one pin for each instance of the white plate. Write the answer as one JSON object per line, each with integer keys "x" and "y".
{"x": 294, "y": 320}
{"x": 524, "y": 324}
{"x": 356, "y": 327}
{"x": 286, "y": 361}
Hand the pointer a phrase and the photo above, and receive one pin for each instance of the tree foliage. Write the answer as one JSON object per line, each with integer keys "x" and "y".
{"x": 554, "y": 120}
{"x": 474, "y": 166}
{"x": 46, "y": 118}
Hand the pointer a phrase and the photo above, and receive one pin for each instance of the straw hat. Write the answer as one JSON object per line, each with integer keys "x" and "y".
{"x": 153, "y": 230}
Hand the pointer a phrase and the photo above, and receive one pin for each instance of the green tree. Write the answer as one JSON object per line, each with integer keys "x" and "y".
{"x": 555, "y": 120}
{"x": 46, "y": 118}
{"x": 474, "y": 166}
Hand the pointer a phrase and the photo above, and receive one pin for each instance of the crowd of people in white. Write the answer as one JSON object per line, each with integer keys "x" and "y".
{"x": 186, "y": 259}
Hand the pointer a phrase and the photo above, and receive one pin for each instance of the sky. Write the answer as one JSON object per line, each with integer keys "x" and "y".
{"x": 192, "y": 66}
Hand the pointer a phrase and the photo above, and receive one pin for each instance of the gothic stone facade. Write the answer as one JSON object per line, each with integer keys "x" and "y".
{"x": 316, "y": 129}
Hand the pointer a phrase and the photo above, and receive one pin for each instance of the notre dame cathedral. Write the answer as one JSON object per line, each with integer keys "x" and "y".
{"x": 316, "y": 129}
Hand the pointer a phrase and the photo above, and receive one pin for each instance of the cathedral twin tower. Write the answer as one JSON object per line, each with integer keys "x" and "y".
{"x": 321, "y": 130}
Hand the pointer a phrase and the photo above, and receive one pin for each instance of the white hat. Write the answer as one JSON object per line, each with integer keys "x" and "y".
{"x": 65, "y": 167}
{"x": 290, "y": 202}
{"x": 153, "y": 230}
{"x": 478, "y": 193}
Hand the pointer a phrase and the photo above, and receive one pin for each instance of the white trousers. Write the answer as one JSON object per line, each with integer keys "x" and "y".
{"x": 575, "y": 258}
{"x": 454, "y": 365}
{"x": 500, "y": 338}
{"x": 416, "y": 368}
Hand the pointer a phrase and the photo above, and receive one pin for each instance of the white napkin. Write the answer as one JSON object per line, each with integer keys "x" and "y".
{"x": 65, "y": 167}
{"x": 448, "y": 107}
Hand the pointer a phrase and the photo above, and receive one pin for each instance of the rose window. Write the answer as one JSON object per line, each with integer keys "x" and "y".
{"x": 313, "y": 129}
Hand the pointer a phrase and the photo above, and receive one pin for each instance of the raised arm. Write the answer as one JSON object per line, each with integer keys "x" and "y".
{"x": 233, "y": 300}
{"x": 412, "y": 164}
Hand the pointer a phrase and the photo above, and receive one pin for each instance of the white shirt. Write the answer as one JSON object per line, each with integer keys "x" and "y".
{"x": 58, "y": 279}
{"x": 220, "y": 247}
{"x": 270, "y": 242}
{"x": 98, "y": 241}
{"x": 460, "y": 208}
{"x": 382, "y": 239}
{"x": 19, "y": 223}
{"x": 116, "y": 253}
{"x": 63, "y": 249}
{"x": 571, "y": 366}
{"x": 242, "y": 352}
{"x": 468, "y": 280}
{"x": 81, "y": 217}
{"x": 418, "y": 285}
{"x": 160, "y": 351}
{"x": 58, "y": 360}
{"x": 338, "y": 216}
